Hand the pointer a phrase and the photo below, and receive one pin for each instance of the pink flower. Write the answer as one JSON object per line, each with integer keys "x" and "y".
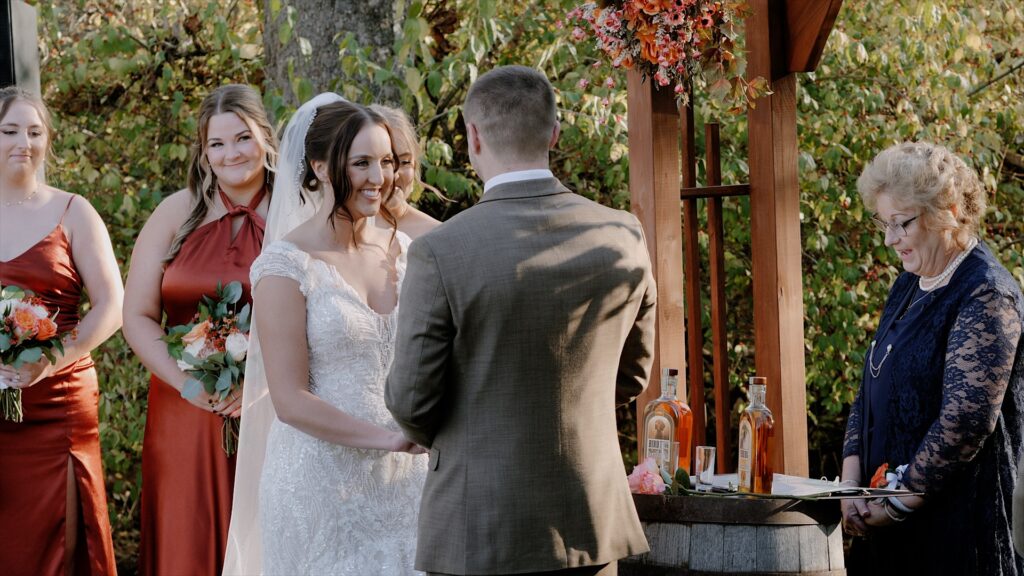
{"x": 612, "y": 21}
{"x": 646, "y": 478}
{"x": 578, "y": 34}
{"x": 583, "y": 84}
{"x": 609, "y": 82}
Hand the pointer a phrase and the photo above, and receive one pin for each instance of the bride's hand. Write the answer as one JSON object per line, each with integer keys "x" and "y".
{"x": 399, "y": 443}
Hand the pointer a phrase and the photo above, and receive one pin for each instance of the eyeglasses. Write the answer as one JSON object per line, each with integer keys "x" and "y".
{"x": 897, "y": 228}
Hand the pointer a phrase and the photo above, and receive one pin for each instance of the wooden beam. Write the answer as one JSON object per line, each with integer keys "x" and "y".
{"x": 654, "y": 183}
{"x": 775, "y": 237}
{"x": 7, "y": 77}
{"x": 691, "y": 279}
{"x": 717, "y": 191}
{"x": 719, "y": 348}
{"x": 808, "y": 24}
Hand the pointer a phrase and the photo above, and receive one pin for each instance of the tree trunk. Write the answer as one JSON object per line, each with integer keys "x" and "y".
{"x": 324, "y": 24}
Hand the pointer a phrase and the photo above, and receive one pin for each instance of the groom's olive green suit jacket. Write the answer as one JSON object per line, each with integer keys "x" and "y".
{"x": 523, "y": 322}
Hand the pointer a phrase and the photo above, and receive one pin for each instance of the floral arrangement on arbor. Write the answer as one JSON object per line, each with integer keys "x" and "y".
{"x": 673, "y": 42}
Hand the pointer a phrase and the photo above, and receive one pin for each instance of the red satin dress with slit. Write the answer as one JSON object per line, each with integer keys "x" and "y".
{"x": 61, "y": 421}
{"x": 187, "y": 479}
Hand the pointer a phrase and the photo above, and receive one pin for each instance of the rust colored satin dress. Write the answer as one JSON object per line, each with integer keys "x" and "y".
{"x": 60, "y": 421}
{"x": 187, "y": 479}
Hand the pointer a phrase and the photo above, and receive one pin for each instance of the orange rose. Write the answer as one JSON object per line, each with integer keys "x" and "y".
{"x": 24, "y": 322}
{"x": 878, "y": 479}
{"x": 46, "y": 329}
{"x": 649, "y": 50}
{"x": 650, "y": 6}
{"x": 197, "y": 333}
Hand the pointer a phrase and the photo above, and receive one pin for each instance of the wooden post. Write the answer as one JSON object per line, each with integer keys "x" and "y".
{"x": 720, "y": 353}
{"x": 654, "y": 197}
{"x": 691, "y": 275}
{"x": 775, "y": 236}
{"x": 7, "y": 77}
{"x": 19, "y": 45}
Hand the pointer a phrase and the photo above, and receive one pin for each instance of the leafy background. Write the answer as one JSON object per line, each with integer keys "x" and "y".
{"x": 124, "y": 80}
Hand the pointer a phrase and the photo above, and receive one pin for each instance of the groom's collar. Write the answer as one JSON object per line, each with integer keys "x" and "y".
{"x": 522, "y": 184}
{"x": 517, "y": 176}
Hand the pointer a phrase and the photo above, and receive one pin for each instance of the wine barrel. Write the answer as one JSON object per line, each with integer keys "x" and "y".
{"x": 698, "y": 535}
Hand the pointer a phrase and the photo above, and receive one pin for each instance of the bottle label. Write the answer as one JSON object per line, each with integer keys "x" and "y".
{"x": 660, "y": 444}
{"x": 746, "y": 446}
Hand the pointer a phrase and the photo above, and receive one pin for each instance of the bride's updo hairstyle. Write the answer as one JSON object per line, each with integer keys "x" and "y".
{"x": 329, "y": 139}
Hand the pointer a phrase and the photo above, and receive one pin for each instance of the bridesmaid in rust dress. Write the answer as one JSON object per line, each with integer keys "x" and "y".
{"x": 53, "y": 505}
{"x": 208, "y": 233}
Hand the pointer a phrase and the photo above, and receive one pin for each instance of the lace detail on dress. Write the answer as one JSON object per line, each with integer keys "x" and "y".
{"x": 329, "y": 509}
{"x": 281, "y": 259}
{"x": 854, "y": 423}
{"x": 981, "y": 349}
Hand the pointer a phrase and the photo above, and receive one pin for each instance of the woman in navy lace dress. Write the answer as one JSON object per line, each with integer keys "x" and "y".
{"x": 943, "y": 384}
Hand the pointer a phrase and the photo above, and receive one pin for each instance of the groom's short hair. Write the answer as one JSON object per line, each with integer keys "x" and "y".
{"x": 513, "y": 107}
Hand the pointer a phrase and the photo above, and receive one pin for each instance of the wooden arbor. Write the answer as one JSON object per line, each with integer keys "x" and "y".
{"x": 783, "y": 37}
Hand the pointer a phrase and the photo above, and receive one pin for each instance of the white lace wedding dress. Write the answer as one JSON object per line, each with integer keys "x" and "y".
{"x": 325, "y": 508}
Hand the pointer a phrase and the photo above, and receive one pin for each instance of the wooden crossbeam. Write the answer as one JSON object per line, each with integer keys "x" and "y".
{"x": 716, "y": 191}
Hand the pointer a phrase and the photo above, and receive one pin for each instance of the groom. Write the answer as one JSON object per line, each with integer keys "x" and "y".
{"x": 524, "y": 321}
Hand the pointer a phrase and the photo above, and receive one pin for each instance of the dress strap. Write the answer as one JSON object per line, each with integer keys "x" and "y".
{"x": 66, "y": 208}
{"x": 236, "y": 210}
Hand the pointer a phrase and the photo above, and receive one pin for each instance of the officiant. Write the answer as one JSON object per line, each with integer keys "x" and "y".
{"x": 942, "y": 390}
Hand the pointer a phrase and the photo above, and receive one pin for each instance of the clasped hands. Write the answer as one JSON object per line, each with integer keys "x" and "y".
{"x": 27, "y": 375}
{"x": 862, "y": 514}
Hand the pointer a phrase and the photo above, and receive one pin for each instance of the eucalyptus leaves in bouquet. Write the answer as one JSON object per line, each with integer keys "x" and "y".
{"x": 211, "y": 350}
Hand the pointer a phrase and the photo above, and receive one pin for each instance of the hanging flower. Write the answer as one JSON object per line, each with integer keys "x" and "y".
{"x": 673, "y": 42}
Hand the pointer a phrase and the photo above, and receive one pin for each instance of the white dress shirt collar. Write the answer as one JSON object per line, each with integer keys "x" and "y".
{"x": 517, "y": 176}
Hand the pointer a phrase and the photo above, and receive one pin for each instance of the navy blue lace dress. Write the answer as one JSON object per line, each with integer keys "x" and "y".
{"x": 948, "y": 400}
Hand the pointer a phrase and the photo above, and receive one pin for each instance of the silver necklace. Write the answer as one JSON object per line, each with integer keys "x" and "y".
{"x": 935, "y": 281}
{"x": 876, "y": 370}
{"x": 912, "y": 302}
{"x": 23, "y": 200}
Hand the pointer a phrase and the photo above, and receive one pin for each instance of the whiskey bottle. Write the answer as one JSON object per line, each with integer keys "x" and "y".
{"x": 757, "y": 434}
{"x": 668, "y": 426}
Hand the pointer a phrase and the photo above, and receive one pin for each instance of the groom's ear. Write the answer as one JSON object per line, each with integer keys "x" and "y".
{"x": 474, "y": 138}
{"x": 555, "y": 132}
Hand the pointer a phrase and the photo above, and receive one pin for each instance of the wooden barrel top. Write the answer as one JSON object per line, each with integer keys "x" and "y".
{"x": 719, "y": 509}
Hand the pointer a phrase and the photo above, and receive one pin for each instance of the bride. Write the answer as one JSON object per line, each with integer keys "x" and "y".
{"x": 336, "y": 489}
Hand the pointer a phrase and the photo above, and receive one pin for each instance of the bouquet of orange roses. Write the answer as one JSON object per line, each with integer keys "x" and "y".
{"x": 28, "y": 332}
{"x": 212, "y": 349}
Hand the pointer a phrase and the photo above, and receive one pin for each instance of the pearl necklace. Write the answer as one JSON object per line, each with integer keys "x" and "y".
{"x": 23, "y": 200}
{"x": 935, "y": 281}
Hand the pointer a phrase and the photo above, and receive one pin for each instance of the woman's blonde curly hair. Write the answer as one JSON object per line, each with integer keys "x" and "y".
{"x": 929, "y": 178}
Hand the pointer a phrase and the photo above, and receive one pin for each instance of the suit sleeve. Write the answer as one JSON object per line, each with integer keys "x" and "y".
{"x": 638, "y": 351}
{"x": 415, "y": 385}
